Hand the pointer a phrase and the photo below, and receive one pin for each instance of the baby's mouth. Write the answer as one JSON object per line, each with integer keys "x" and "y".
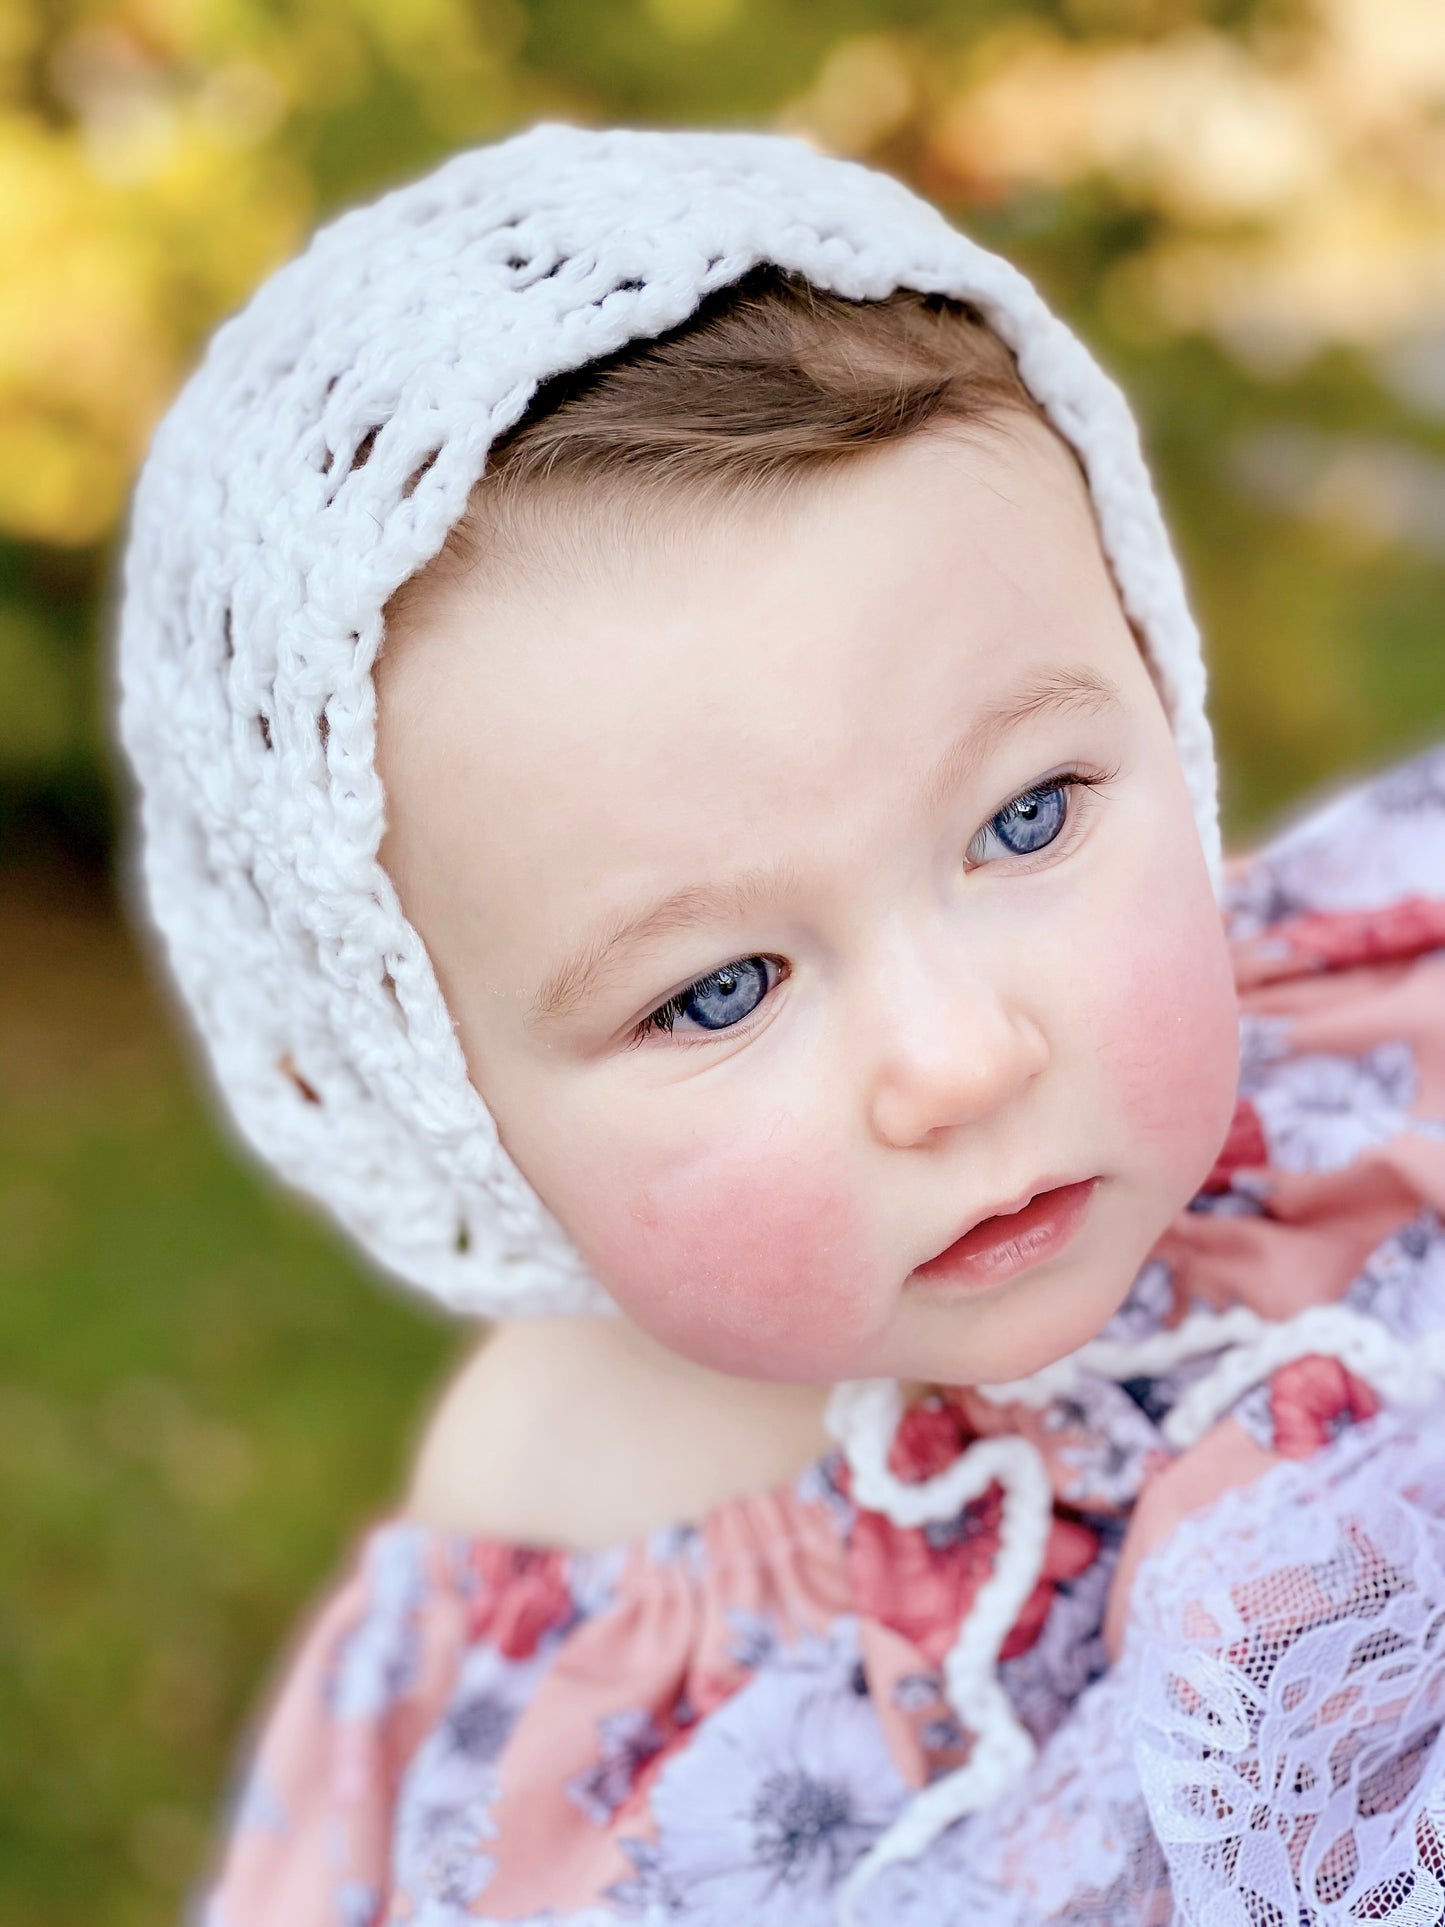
{"x": 1007, "y": 1242}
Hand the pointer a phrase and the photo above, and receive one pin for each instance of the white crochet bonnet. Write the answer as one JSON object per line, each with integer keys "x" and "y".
{"x": 316, "y": 459}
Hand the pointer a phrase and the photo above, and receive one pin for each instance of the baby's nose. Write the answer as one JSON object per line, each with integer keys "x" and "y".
{"x": 951, "y": 1053}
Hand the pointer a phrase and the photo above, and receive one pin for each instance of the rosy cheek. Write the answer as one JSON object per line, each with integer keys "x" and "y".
{"x": 746, "y": 1263}
{"x": 1170, "y": 1042}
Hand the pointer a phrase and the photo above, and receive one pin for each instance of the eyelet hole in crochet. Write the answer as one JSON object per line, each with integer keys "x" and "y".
{"x": 521, "y": 263}
{"x": 228, "y": 641}
{"x": 463, "y": 1237}
{"x": 411, "y": 481}
{"x": 360, "y": 457}
{"x": 619, "y": 287}
{"x": 323, "y": 731}
{"x": 263, "y": 724}
{"x": 287, "y": 1065}
{"x": 388, "y": 984}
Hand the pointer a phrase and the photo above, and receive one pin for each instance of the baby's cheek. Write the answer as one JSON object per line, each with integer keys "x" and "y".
{"x": 1170, "y": 1036}
{"x": 748, "y": 1264}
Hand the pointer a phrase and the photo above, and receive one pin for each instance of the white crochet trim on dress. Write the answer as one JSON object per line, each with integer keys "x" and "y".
{"x": 1120, "y": 1359}
{"x": 1253, "y": 1348}
{"x": 863, "y": 1416}
{"x": 315, "y": 460}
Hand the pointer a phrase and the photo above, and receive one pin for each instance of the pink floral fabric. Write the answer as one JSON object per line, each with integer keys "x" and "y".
{"x": 713, "y": 1725}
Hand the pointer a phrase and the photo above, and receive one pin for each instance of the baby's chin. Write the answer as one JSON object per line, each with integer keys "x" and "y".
{"x": 1026, "y": 1326}
{"x": 822, "y": 1356}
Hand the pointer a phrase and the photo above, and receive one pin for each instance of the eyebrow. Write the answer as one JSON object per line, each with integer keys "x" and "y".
{"x": 1066, "y": 689}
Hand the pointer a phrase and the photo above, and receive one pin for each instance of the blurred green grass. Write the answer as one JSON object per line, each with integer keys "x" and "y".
{"x": 200, "y": 1402}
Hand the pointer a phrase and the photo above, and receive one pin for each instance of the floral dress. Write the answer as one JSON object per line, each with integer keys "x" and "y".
{"x": 718, "y": 1725}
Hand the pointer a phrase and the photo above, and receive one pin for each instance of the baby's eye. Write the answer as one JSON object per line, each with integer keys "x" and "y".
{"x": 719, "y": 1001}
{"x": 1034, "y": 819}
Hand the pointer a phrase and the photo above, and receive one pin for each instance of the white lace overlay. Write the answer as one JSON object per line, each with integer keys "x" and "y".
{"x": 1292, "y": 1689}
{"x": 1268, "y": 1750}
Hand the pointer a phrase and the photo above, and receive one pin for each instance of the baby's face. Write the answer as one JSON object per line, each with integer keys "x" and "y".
{"x": 898, "y": 996}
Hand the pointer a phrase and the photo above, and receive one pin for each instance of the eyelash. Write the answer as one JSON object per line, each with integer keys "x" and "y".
{"x": 667, "y": 1013}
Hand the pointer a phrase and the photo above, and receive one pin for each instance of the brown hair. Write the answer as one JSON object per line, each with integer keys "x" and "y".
{"x": 767, "y": 380}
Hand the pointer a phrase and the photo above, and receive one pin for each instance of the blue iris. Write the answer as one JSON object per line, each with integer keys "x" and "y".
{"x": 714, "y": 1001}
{"x": 1034, "y": 819}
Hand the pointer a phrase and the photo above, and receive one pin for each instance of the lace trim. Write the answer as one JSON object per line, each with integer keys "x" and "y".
{"x": 1288, "y": 1725}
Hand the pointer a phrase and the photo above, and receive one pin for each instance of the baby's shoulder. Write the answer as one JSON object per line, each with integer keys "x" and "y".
{"x": 500, "y": 1457}
{"x": 553, "y": 1435}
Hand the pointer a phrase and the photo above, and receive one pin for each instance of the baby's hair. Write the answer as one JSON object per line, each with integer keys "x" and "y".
{"x": 768, "y": 380}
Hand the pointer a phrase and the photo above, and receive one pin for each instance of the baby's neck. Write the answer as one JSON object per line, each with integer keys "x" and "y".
{"x": 582, "y": 1432}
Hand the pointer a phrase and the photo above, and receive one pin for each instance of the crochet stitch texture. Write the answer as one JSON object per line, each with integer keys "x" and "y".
{"x": 315, "y": 460}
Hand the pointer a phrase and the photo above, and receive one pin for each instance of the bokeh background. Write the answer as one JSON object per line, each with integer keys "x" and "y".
{"x": 203, "y": 1398}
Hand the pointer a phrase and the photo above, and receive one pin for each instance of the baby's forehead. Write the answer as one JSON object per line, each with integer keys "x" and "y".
{"x": 565, "y": 545}
{"x": 742, "y": 655}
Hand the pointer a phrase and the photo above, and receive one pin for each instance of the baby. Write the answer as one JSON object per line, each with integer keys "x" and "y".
{"x": 676, "y": 788}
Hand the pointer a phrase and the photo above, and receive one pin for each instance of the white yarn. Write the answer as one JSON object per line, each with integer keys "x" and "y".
{"x": 863, "y": 1417}
{"x": 1408, "y": 1374}
{"x": 318, "y": 458}
{"x": 1253, "y": 1349}
{"x": 1120, "y": 1359}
